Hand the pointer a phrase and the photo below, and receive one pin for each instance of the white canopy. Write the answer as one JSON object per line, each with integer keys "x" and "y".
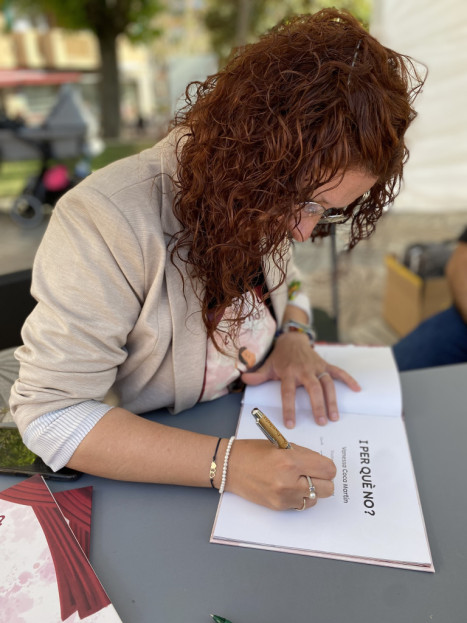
{"x": 434, "y": 33}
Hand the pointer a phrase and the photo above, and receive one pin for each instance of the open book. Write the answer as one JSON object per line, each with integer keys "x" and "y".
{"x": 374, "y": 515}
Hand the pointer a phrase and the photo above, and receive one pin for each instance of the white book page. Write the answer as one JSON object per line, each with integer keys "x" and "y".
{"x": 375, "y": 512}
{"x": 372, "y": 366}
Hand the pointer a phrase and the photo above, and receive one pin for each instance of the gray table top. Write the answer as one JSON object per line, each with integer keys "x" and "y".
{"x": 150, "y": 543}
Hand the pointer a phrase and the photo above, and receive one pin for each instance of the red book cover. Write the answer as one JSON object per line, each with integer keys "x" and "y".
{"x": 76, "y": 506}
{"x": 45, "y": 574}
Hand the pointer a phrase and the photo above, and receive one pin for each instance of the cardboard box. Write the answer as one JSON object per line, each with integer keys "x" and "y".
{"x": 409, "y": 299}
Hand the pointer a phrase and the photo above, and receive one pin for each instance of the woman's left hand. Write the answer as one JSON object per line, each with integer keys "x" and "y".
{"x": 294, "y": 362}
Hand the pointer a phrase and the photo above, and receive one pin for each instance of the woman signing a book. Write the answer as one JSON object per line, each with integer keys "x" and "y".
{"x": 166, "y": 278}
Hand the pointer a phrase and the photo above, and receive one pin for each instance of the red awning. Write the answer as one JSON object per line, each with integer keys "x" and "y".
{"x": 29, "y": 77}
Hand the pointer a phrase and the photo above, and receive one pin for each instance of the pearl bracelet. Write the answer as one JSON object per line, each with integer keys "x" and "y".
{"x": 226, "y": 463}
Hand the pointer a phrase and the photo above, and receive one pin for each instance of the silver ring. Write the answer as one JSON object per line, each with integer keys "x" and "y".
{"x": 303, "y": 507}
{"x": 312, "y": 489}
{"x": 322, "y": 374}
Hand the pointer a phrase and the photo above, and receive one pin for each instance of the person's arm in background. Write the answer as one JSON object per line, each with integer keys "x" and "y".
{"x": 456, "y": 273}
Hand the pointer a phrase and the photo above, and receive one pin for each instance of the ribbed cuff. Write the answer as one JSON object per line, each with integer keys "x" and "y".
{"x": 55, "y": 436}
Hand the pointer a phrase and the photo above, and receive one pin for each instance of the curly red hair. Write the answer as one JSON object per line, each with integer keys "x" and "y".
{"x": 315, "y": 96}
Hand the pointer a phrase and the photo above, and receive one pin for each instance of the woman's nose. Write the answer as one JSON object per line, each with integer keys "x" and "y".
{"x": 303, "y": 230}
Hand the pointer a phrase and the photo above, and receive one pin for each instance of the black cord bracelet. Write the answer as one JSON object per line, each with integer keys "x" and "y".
{"x": 212, "y": 471}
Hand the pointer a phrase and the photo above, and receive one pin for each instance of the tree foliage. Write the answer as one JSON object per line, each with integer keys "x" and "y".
{"x": 134, "y": 18}
{"x": 228, "y": 29}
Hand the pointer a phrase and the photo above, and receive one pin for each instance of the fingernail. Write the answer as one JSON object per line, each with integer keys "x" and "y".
{"x": 322, "y": 421}
{"x": 334, "y": 416}
{"x": 289, "y": 424}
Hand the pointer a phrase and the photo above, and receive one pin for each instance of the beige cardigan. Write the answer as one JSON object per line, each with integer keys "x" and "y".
{"x": 111, "y": 313}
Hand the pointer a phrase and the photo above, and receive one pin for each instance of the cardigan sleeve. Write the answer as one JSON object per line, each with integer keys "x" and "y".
{"x": 88, "y": 284}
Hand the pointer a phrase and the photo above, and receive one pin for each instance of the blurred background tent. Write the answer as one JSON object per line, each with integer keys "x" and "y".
{"x": 435, "y": 34}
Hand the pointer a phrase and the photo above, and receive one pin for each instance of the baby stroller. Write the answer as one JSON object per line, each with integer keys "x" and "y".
{"x": 44, "y": 189}
{"x": 63, "y": 135}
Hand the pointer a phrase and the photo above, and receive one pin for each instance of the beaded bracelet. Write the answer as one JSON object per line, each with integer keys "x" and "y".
{"x": 226, "y": 463}
{"x": 213, "y": 468}
{"x": 293, "y": 325}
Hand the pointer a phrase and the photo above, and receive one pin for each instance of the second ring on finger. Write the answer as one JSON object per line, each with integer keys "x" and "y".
{"x": 311, "y": 495}
{"x": 311, "y": 489}
{"x": 327, "y": 387}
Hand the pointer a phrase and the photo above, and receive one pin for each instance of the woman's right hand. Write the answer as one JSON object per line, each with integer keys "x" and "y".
{"x": 261, "y": 473}
{"x": 125, "y": 446}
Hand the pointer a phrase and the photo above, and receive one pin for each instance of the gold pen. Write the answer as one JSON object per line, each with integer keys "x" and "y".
{"x": 268, "y": 429}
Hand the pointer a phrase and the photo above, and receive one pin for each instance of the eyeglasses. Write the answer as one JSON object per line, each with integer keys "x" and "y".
{"x": 331, "y": 215}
